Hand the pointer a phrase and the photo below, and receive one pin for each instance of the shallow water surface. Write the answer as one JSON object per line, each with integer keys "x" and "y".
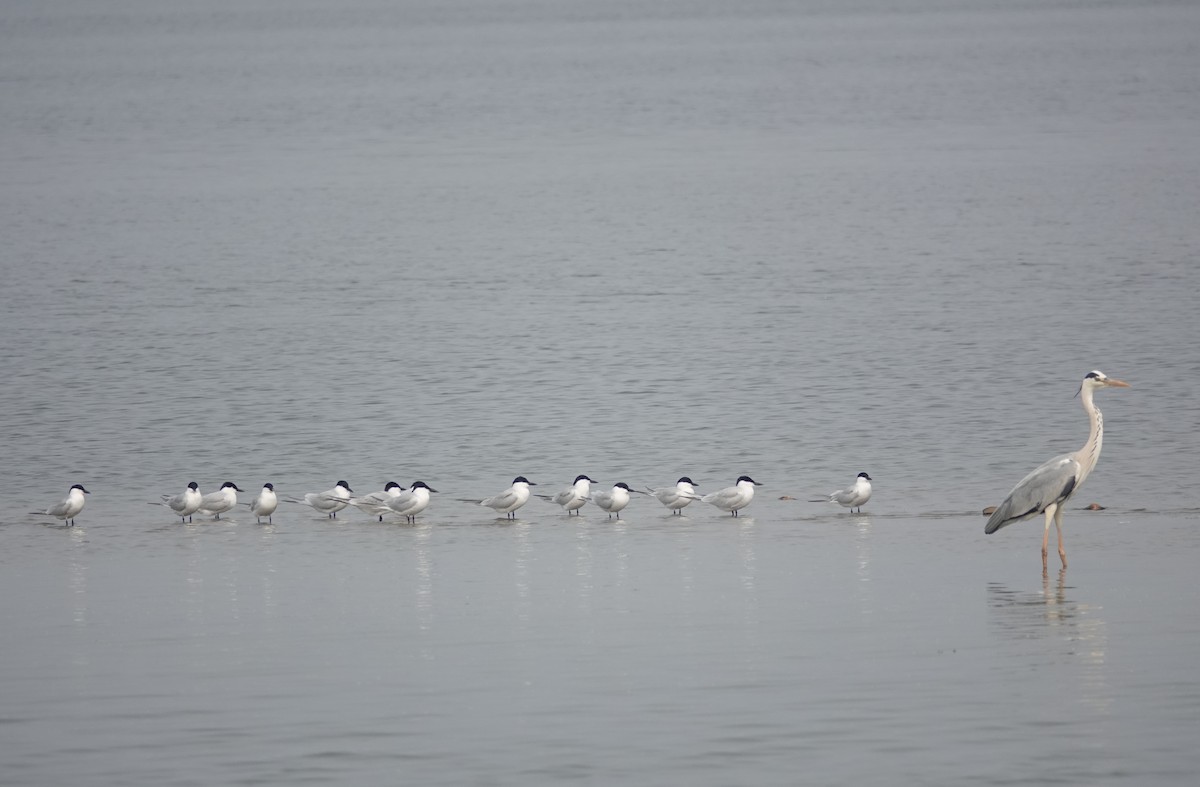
{"x": 658, "y": 648}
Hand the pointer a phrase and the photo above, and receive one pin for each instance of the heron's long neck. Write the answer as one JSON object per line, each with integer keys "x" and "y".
{"x": 1090, "y": 453}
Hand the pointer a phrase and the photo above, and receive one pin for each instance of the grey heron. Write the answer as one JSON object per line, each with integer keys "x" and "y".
{"x": 1047, "y": 489}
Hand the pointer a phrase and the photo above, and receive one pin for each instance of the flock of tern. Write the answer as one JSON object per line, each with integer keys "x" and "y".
{"x": 394, "y": 499}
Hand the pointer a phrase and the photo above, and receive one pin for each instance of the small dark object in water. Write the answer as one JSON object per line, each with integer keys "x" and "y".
{"x": 1094, "y": 507}
{"x": 787, "y": 497}
{"x": 989, "y": 510}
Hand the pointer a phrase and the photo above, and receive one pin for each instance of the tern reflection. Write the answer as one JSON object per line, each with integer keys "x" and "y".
{"x": 862, "y": 554}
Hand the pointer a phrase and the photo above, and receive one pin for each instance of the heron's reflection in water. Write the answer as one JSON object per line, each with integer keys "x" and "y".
{"x": 1061, "y": 629}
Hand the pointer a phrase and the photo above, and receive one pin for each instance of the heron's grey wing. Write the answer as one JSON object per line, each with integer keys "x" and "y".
{"x": 1051, "y": 482}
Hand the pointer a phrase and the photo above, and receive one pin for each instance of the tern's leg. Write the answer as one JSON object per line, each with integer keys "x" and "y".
{"x": 1058, "y": 520}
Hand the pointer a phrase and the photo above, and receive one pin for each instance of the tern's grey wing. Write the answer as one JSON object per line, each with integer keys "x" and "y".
{"x": 59, "y": 509}
{"x": 722, "y": 496}
{"x": 845, "y": 497}
{"x": 402, "y": 502}
{"x": 564, "y": 497}
{"x": 215, "y": 502}
{"x": 325, "y": 501}
{"x": 672, "y": 496}
{"x": 503, "y": 500}
{"x": 1052, "y": 482}
{"x": 175, "y": 503}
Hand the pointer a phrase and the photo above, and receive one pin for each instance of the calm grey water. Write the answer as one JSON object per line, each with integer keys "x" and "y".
{"x": 457, "y": 242}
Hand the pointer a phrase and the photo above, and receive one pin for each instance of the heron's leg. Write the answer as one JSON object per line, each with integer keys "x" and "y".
{"x": 1046, "y": 534}
{"x": 1058, "y": 520}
